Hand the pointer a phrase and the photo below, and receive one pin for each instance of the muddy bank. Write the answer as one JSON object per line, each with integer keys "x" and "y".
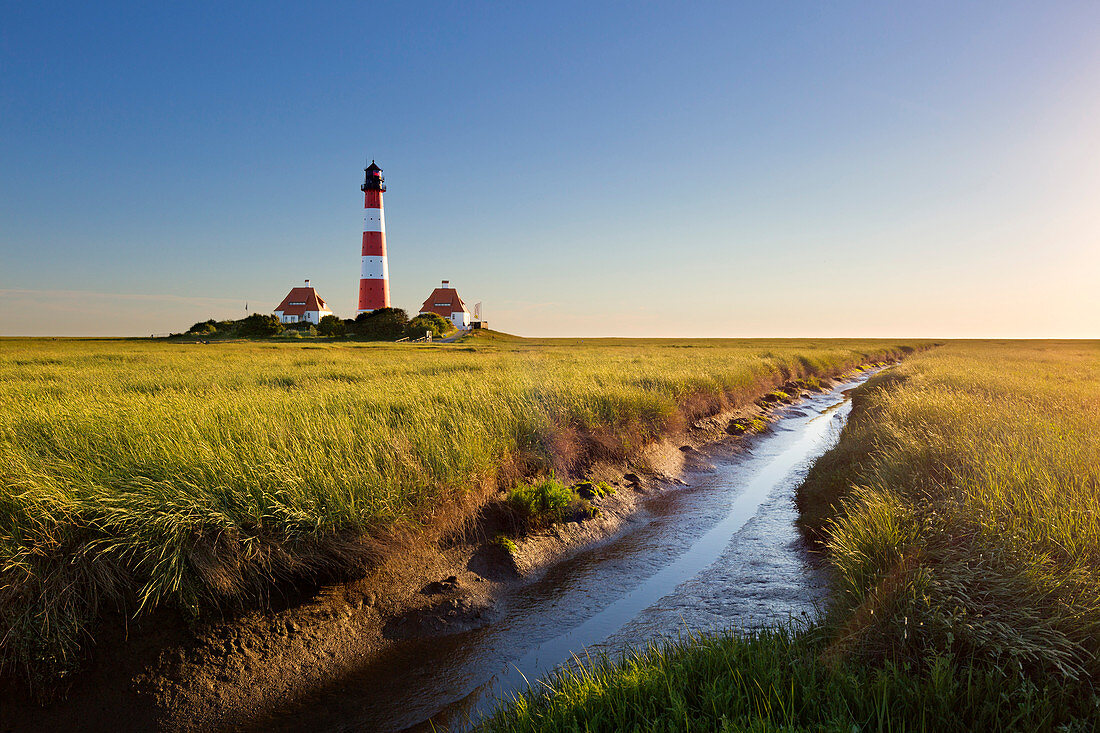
{"x": 241, "y": 672}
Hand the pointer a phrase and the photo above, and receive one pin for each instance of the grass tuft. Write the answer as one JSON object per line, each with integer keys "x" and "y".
{"x": 507, "y": 543}
{"x": 542, "y": 503}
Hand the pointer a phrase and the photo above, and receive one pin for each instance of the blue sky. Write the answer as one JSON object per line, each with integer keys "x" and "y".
{"x": 633, "y": 169}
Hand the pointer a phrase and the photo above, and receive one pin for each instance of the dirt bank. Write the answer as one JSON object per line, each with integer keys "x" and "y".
{"x": 239, "y": 672}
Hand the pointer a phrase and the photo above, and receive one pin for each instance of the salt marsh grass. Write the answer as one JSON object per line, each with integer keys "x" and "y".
{"x": 776, "y": 680}
{"x": 960, "y": 513}
{"x": 971, "y": 520}
{"x": 142, "y": 473}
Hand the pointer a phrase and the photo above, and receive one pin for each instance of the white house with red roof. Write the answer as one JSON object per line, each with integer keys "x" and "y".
{"x": 302, "y": 304}
{"x": 444, "y": 301}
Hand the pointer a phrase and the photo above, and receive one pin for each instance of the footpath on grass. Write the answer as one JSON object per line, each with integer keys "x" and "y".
{"x": 958, "y": 515}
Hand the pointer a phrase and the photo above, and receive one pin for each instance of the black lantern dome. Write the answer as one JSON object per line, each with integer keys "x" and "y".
{"x": 375, "y": 181}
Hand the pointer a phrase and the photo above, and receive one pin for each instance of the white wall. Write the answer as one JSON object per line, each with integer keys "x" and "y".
{"x": 315, "y": 316}
{"x": 461, "y": 319}
{"x": 310, "y": 316}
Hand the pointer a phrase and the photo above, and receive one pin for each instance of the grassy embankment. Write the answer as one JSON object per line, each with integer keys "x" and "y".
{"x": 961, "y": 516}
{"x": 138, "y": 474}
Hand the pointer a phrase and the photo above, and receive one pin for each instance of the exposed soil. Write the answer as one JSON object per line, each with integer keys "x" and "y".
{"x": 235, "y": 673}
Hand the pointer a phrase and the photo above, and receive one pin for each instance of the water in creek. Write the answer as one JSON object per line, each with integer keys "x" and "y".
{"x": 721, "y": 552}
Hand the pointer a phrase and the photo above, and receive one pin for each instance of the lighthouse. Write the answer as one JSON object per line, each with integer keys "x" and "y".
{"x": 374, "y": 275}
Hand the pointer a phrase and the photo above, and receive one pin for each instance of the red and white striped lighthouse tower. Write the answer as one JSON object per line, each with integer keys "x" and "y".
{"x": 374, "y": 277}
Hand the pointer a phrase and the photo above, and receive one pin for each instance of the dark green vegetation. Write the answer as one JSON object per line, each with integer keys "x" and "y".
{"x": 545, "y": 502}
{"x": 332, "y": 327}
{"x": 383, "y": 324}
{"x": 256, "y": 325}
{"x": 168, "y": 473}
{"x": 961, "y": 516}
{"x": 541, "y": 503}
{"x": 438, "y": 325}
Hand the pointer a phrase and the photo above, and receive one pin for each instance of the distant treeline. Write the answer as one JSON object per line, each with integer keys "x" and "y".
{"x": 384, "y": 324}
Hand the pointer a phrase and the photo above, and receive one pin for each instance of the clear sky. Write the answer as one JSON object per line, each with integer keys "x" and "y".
{"x": 583, "y": 168}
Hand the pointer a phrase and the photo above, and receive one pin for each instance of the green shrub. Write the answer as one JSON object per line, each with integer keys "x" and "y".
{"x": 203, "y": 327}
{"x": 332, "y": 326}
{"x": 383, "y": 324}
{"x": 258, "y": 325}
{"x": 438, "y": 325}
{"x": 543, "y": 503}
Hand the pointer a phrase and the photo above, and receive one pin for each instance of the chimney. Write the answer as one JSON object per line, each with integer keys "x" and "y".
{"x": 446, "y": 283}
{"x": 307, "y": 282}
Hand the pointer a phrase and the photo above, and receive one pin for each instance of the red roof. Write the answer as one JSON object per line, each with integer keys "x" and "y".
{"x": 443, "y": 302}
{"x": 301, "y": 300}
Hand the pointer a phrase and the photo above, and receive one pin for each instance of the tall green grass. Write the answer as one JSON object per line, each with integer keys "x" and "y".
{"x": 135, "y": 474}
{"x": 777, "y": 680}
{"x": 960, "y": 513}
{"x": 971, "y": 521}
